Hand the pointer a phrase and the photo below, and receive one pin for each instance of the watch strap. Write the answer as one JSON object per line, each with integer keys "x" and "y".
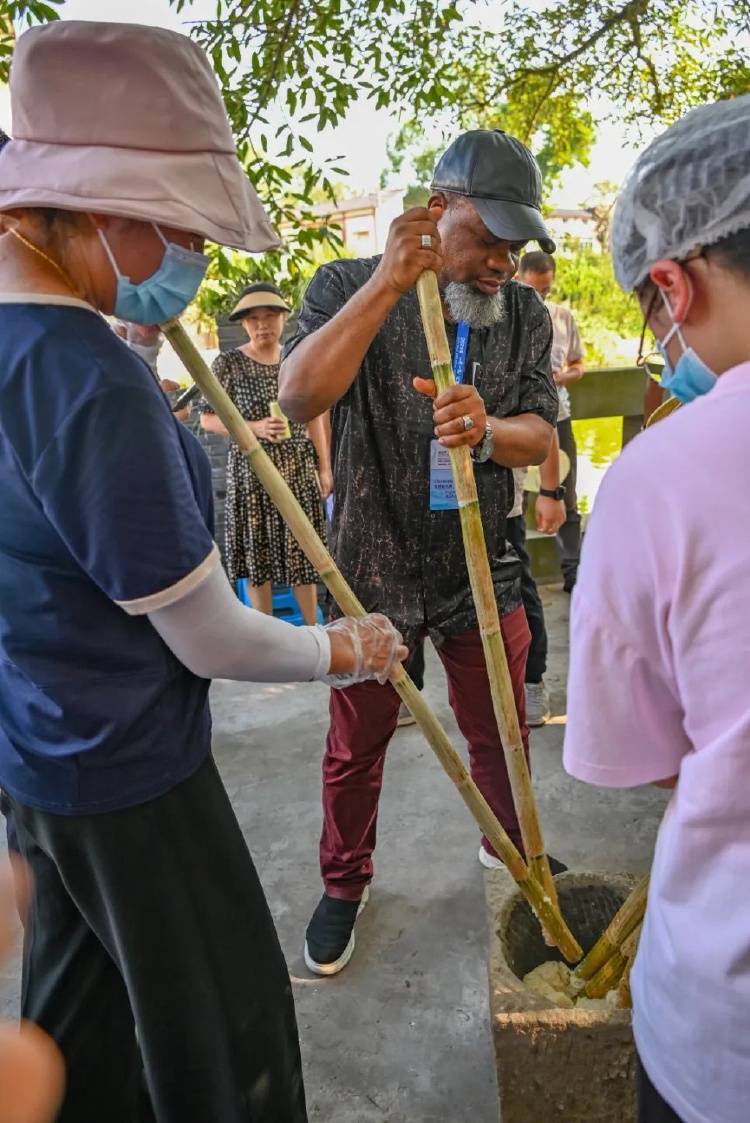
{"x": 483, "y": 451}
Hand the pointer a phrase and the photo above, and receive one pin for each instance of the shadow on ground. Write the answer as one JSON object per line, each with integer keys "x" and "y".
{"x": 401, "y": 1036}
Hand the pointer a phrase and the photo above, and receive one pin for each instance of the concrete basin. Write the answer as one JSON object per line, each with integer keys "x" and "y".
{"x": 556, "y": 1065}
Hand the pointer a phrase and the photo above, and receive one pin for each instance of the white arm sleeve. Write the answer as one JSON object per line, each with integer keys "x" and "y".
{"x": 216, "y": 636}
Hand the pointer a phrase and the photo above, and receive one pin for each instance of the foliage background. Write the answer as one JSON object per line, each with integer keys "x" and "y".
{"x": 549, "y": 73}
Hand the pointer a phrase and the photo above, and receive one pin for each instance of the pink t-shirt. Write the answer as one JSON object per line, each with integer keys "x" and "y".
{"x": 660, "y": 685}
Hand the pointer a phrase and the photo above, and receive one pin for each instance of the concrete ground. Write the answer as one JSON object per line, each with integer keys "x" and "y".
{"x": 401, "y": 1036}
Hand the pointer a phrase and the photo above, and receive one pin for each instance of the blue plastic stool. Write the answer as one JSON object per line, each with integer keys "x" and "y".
{"x": 284, "y": 602}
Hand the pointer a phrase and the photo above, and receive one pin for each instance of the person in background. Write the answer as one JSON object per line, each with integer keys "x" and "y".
{"x": 549, "y": 517}
{"x": 259, "y": 544}
{"x": 538, "y": 270}
{"x": 660, "y": 628}
{"x": 415, "y": 668}
{"x": 654, "y": 396}
{"x": 396, "y": 529}
{"x": 150, "y": 954}
{"x": 146, "y": 341}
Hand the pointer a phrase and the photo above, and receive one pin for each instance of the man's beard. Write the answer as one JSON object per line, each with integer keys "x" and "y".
{"x": 477, "y": 309}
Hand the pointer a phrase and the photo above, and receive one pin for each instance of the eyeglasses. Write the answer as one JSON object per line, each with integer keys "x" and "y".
{"x": 645, "y": 362}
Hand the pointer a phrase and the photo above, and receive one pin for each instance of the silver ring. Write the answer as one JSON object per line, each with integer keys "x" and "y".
{"x": 468, "y": 422}
{"x": 426, "y": 241}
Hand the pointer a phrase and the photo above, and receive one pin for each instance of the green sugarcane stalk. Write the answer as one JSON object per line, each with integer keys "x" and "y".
{"x": 483, "y": 590}
{"x": 625, "y": 920}
{"x": 546, "y": 908}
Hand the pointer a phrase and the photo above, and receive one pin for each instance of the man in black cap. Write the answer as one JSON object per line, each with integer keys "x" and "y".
{"x": 360, "y": 349}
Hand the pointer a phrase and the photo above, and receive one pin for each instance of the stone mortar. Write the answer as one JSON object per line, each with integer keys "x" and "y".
{"x": 556, "y": 1065}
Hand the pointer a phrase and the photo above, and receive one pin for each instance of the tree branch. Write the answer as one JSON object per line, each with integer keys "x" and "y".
{"x": 638, "y": 44}
{"x": 538, "y": 108}
{"x": 627, "y": 13}
{"x": 270, "y": 81}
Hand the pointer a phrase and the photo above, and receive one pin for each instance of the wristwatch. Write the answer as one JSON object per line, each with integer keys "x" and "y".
{"x": 553, "y": 493}
{"x": 483, "y": 451}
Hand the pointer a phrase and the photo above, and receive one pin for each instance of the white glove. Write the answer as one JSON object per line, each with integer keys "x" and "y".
{"x": 375, "y": 646}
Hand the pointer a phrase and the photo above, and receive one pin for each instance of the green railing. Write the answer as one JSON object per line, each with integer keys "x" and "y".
{"x": 611, "y": 392}
{"x": 606, "y": 392}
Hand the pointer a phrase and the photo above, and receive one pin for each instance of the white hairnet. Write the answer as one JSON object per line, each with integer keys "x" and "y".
{"x": 689, "y": 188}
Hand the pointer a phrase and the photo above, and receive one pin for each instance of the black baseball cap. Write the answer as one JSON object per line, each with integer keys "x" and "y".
{"x": 503, "y": 181}
{"x": 3, "y": 139}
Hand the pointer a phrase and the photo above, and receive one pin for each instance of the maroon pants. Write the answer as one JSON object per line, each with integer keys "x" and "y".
{"x": 363, "y": 720}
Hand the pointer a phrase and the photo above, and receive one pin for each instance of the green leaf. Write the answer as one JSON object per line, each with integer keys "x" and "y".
{"x": 547, "y": 73}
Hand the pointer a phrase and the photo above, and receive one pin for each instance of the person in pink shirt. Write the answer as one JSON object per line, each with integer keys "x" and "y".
{"x": 659, "y": 688}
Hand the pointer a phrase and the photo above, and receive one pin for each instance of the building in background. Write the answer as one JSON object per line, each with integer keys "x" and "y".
{"x": 364, "y": 220}
{"x": 579, "y": 224}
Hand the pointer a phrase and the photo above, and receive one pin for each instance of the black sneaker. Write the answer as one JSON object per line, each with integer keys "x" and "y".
{"x": 329, "y": 940}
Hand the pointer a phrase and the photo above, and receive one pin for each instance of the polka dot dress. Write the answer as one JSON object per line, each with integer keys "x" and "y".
{"x": 259, "y": 546}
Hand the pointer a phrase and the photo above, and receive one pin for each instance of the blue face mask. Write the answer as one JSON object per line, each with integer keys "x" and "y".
{"x": 690, "y": 377}
{"x": 167, "y": 292}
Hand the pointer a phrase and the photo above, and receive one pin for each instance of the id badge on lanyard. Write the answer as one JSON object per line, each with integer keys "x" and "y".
{"x": 442, "y": 488}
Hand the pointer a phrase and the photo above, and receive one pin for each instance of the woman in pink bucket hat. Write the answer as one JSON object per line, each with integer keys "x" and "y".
{"x": 150, "y": 954}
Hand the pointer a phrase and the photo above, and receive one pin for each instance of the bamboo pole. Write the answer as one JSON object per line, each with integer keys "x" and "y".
{"x": 624, "y": 993}
{"x": 662, "y": 411}
{"x": 616, "y": 971}
{"x": 629, "y": 950}
{"x": 606, "y": 978}
{"x": 546, "y": 909}
{"x": 629, "y": 945}
{"x": 483, "y": 591}
{"x": 625, "y": 920}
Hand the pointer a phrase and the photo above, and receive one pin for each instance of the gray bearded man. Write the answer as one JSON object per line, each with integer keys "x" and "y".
{"x": 360, "y": 350}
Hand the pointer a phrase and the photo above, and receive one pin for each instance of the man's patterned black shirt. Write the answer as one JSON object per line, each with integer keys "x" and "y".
{"x": 400, "y": 558}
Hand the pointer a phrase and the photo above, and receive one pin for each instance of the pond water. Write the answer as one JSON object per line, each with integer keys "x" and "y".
{"x": 599, "y": 441}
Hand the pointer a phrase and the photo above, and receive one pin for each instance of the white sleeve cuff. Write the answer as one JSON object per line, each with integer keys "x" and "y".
{"x": 216, "y": 636}
{"x": 141, "y": 606}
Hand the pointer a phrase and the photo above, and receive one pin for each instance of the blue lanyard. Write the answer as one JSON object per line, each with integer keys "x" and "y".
{"x": 461, "y": 350}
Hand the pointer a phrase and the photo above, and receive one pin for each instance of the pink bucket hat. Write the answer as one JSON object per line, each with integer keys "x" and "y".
{"x": 126, "y": 120}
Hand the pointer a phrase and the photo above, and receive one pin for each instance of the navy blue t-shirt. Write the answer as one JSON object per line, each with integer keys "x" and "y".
{"x": 105, "y": 515}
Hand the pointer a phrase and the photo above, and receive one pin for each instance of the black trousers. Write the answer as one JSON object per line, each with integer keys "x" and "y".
{"x": 415, "y": 666}
{"x": 536, "y": 664}
{"x": 651, "y": 1107}
{"x": 152, "y": 960}
{"x": 569, "y": 534}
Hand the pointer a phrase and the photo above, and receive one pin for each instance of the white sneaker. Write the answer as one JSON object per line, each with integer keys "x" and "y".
{"x": 405, "y": 716}
{"x": 489, "y": 861}
{"x": 537, "y": 704}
